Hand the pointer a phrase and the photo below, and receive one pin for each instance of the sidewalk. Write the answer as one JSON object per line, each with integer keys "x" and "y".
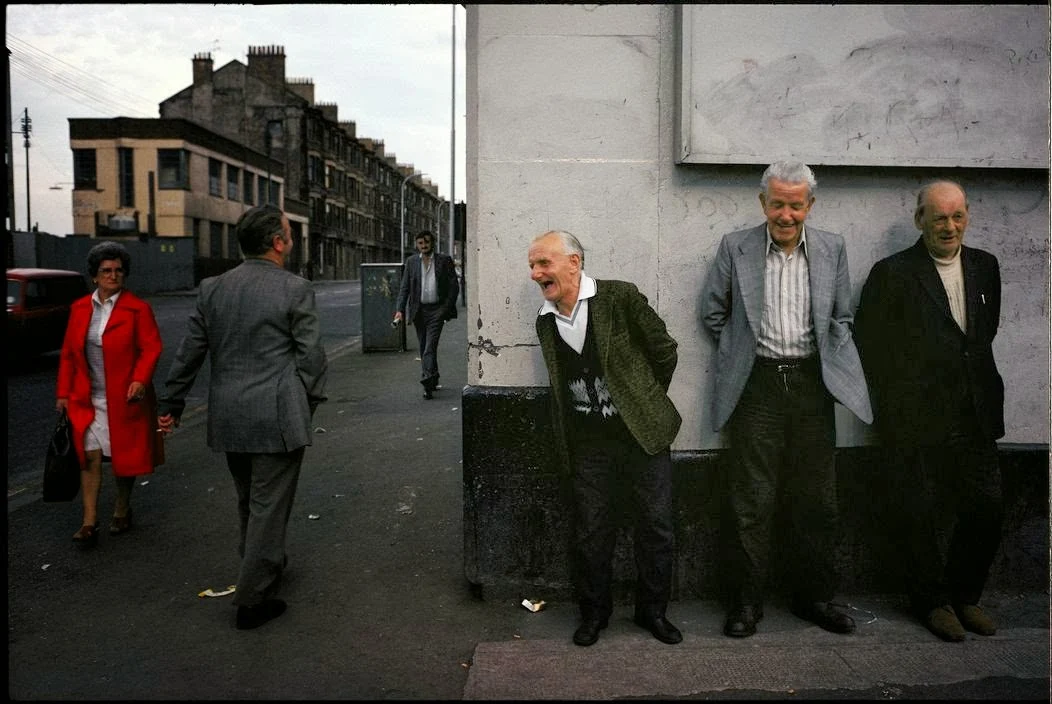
{"x": 378, "y": 604}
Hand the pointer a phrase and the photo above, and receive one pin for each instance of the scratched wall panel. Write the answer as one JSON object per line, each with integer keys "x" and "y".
{"x": 935, "y": 85}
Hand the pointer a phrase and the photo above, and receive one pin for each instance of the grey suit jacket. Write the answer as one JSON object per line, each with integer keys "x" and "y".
{"x": 732, "y": 309}
{"x": 258, "y": 326}
{"x": 638, "y": 357}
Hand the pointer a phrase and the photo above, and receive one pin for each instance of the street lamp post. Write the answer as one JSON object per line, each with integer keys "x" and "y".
{"x": 405, "y": 180}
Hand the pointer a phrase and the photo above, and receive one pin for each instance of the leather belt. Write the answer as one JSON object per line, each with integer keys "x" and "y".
{"x": 784, "y": 364}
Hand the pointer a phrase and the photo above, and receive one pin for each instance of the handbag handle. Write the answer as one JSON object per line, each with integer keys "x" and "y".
{"x": 62, "y": 434}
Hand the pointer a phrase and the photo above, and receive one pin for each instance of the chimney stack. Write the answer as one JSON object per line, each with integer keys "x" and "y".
{"x": 202, "y": 69}
{"x": 267, "y": 64}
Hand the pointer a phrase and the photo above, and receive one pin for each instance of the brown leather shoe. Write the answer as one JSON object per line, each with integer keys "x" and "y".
{"x": 121, "y": 524}
{"x": 824, "y": 615}
{"x": 741, "y": 621}
{"x": 942, "y": 621}
{"x": 974, "y": 620}
{"x": 86, "y": 537}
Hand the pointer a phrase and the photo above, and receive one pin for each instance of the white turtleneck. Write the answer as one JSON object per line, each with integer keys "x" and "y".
{"x": 952, "y": 274}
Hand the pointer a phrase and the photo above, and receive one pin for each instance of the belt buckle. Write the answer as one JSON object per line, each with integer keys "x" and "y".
{"x": 784, "y": 367}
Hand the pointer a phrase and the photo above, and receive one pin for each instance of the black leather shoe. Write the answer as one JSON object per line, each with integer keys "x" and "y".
{"x": 741, "y": 622}
{"x": 660, "y": 627}
{"x": 825, "y": 615}
{"x": 588, "y": 632}
{"x": 255, "y": 616}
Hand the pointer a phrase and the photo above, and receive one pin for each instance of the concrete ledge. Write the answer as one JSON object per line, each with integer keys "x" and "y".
{"x": 516, "y": 512}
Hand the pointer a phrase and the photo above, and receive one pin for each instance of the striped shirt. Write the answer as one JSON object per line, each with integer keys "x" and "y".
{"x": 787, "y": 329}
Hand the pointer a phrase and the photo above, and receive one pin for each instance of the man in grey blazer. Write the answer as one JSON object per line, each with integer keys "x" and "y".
{"x": 258, "y": 326}
{"x": 611, "y": 361}
{"x": 778, "y": 304}
{"x": 428, "y": 297}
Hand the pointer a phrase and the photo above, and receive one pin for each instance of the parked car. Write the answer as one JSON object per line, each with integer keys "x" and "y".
{"x": 38, "y": 302}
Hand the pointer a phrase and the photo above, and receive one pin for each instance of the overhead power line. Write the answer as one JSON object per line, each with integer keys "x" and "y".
{"x": 79, "y": 86}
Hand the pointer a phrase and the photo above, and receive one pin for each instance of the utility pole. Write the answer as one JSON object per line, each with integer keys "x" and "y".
{"x": 453, "y": 136}
{"x": 27, "y": 129}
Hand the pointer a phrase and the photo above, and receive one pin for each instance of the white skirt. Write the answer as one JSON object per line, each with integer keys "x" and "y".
{"x": 97, "y": 436}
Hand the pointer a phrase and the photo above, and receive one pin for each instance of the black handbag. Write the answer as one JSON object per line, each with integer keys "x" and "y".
{"x": 61, "y": 466}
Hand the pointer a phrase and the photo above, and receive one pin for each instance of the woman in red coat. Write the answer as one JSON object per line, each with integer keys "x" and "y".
{"x": 105, "y": 385}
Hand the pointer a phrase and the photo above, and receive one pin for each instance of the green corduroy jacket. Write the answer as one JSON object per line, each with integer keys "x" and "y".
{"x": 638, "y": 358}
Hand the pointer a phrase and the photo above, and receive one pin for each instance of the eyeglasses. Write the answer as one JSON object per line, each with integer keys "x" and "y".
{"x": 111, "y": 272}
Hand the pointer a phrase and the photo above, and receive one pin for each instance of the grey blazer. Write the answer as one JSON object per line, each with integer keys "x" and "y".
{"x": 258, "y": 325}
{"x": 732, "y": 309}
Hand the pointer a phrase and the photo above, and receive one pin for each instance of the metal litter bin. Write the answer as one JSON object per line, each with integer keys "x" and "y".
{"x": 379, "y": 295}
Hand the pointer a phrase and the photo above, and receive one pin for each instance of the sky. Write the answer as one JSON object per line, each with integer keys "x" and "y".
{"x": 387, "y": 67}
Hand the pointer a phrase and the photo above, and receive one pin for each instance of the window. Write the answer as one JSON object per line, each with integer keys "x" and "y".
{"x": 275, "y": 192}
{"x": 314, "y": 169}
{"x": 173, "y": 167}
{"x": 233, "y": 181}
{"x": 232, "y": 248}
{"x": 215, "y": 239}
{"x": 262, "y": 190}
{"x": 249, "y": 188}
{"x": 126, "y": 177}
{"x": 84, "y": 168}
{"x": 215, "y": 177}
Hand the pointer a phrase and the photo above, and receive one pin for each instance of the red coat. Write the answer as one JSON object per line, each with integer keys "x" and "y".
{"x": 131, "y": 347}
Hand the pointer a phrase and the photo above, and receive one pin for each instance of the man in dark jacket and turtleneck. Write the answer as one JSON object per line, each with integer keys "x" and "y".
{"x": 925, "y": 327}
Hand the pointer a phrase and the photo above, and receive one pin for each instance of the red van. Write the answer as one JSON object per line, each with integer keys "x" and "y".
{"x": 38, "y": 303}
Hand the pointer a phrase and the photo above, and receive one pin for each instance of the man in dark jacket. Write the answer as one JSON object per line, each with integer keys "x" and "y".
{"x": 925, "y": 326}
{"x": 610, "y": 360}
{"x": 428, "y": 297}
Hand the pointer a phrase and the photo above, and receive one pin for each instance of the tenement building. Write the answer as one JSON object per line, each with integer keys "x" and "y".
{"x": 346, "y": 189}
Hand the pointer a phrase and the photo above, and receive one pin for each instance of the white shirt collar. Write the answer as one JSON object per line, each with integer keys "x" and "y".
{"x": 585, "y": 291}
{"x": 573, "y": 329}
{"x": 802, "y": 244}
{"x": 111, "y": 300}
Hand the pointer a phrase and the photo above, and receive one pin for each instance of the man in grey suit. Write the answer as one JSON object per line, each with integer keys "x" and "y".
{"x": 258, "y": 326}
{"x": 611, "y": 361}
{"x": 778, "y": 304}
{"x": 428, "y": 297}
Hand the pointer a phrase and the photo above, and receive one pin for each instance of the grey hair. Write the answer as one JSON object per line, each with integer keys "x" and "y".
{"x": 790, "y": 172}
{"x": 257, "y": 227}
{"x": 922, "y": 194}
{"x": 571, "y": 245}
{"x": 108, "y": 250}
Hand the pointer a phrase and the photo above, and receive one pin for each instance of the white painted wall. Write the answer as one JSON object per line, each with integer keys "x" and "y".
{"x": 571, "y": 125}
